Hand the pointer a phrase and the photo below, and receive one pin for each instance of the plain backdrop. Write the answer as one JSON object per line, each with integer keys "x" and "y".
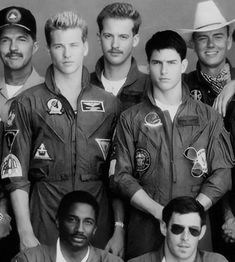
{"x": 156, "y": 15}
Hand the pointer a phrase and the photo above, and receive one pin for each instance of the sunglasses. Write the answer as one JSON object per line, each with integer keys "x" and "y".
{"x": 178, "y": 229}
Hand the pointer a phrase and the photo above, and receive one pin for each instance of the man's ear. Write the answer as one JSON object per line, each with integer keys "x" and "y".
{"x": 86, "y": 48}
{"x": 95, "y": 228}
{"x": 163, "y": 228}
{"x": 203, "y": 231}
{"x": 184, "y": 65}
{"x": 136, "y": 40}
{"x": 35, "y": 47}
{"x": 98, "y": 38}
{"x": 229, "y": 42}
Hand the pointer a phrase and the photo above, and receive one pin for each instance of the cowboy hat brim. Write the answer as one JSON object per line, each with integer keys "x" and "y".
{"x": 187, "y": 33}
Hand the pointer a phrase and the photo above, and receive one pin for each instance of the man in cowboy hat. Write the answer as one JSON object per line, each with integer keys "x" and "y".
{"x": 212, "y": 81}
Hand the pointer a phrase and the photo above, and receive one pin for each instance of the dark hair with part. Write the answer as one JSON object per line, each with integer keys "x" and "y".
{"x": 183, "y": 205}
{"x": 166, "y": 40}
{"x": 76, "y": 197}
{"x": 120, "y": 11}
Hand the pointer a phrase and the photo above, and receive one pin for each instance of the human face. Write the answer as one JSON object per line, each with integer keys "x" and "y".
{"x": 211, "y": 47}
{"x": 67, "y": 50}
{"x": 78, "y": 226}
{"x": 184, "y": 245}
{"x": 16, "y": 48}
{"x": 166, "y": 68}
{"x": 117, "y": 40}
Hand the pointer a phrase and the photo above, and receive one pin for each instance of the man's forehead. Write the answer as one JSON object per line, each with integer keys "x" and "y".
{"x": 116, "y": 23}
{"x": 222, "y": 30}
{"x": 167, "y": 54}
{"x": 81, "y": 210}
{"x": 189, "y": 219}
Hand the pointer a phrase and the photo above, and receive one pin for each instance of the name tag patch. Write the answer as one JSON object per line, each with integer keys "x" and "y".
{"x": 11, "y": 167}
{"x": 92, "y": 106}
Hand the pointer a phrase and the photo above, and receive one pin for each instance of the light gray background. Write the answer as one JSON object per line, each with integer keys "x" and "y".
{"x": 156, "y": 15}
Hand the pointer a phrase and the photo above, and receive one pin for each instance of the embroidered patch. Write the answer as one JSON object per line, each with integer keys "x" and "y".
{"x": 142, "y": 158}
{"x": 13, "y": 16}
{"x": 112, "y": 167}
{"x": 92, "y": 106}
{"x": 196, "y": 94}
{"x": 55, "y": 107}
{"x": 42, "y": 153}
{"x": 104, "y": 145}
{"x": 11, "y": 118}
{"x": 11, "y": 167}
{"x": 152, "y": 119}
{"x": 10, "y": 137}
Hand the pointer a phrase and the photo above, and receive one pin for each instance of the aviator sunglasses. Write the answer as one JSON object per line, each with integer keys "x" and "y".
{"x": 178, "y": 229}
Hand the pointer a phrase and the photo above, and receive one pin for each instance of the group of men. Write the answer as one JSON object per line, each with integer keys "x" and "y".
{"x": 119, "y": 139}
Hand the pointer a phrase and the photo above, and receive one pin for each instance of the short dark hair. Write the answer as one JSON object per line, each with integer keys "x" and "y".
{"x": 183, "y": 205}
{"x": 76, "y": 197}
{"x": 167, "y": 39}
{"x": 120, "y": 11}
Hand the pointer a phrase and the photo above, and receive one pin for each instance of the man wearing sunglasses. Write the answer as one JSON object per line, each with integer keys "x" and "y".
{"x": 183, "y": 226}
{"x": 168, "y": 146}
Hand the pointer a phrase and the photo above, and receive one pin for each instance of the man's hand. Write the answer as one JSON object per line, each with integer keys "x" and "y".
{"x": 5, "y": 225}
{"x": 222, "y": 100}
{"x": 116, "y": 242}
{"x": 27, "y": 240}
{"x": 229, "y": 230}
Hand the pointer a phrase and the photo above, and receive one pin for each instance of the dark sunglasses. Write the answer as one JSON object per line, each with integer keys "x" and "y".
{"x": 178, "y": 229}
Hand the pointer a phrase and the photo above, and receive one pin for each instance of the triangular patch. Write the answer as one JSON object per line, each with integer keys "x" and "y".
{"x": 104, "y": 145}
{"x": 42, "y": 153}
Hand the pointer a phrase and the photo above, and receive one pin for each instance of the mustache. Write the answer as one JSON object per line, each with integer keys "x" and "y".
{"x": 13, "y": 54}
{"x": 113, "y": 50}
{"x": 79, "y": 235}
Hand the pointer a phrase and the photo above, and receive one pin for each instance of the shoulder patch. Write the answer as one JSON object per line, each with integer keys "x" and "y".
{"x": 143, "y": 160}
{"x": 104, "y": 145}
{"x": 152, "y": 119}
{"x": 42, "y": 153}
{"x": 196, "y": 94}
{"x": 11, "y": 118}
{"x": 11, "y": 167}
{"x": 92, "y": 106}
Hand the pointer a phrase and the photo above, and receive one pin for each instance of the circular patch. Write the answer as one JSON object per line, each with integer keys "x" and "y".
{"x": 142, "y": 158}
{"x": 196, "y": 94}
{"x": 55, "y": 106}
{"x": 152, "y": 119}
{"x": 13, "y": 16}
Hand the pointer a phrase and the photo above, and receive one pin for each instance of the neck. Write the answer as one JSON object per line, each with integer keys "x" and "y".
{"x": 68, "y": 82}
{"x": 212, "y": 71}
{"x": 17, "y": 77}
{"x": 72, "y": 255}
{"x": 172, "y": 258}
{"x": 117, "y": 72}
{"x": 168, "y": 97}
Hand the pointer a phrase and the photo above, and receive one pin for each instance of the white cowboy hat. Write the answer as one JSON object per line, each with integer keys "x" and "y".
{"x": 207, "y": 17}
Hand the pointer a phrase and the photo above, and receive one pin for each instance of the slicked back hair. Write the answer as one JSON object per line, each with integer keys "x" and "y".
{"x": 120, "y": 11}
{"x": 63, "y": 21}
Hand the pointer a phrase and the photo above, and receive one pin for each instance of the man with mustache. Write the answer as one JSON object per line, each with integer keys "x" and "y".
{"x": 116, "y": 71}
{"x": 17, "y": 46}
{"x": 183, "y": 225}
{"x": 77, "y": 222}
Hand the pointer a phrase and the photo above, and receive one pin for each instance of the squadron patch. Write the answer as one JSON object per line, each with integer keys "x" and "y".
{"x": 10, "y": 137}
{"x": 92, "y": 106}
{"x": 11, "y": 118}
{"x": 13, "y": 16}
{"x": 143, "y": 160}
{"x": 11, "y": 167}
{"x": 196, "y": 94}
{"x": 42, "y": 153}
{"x": 152, "y": 119}
{"x": 104, "y": 145}
{"x": 55, "y": 107}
